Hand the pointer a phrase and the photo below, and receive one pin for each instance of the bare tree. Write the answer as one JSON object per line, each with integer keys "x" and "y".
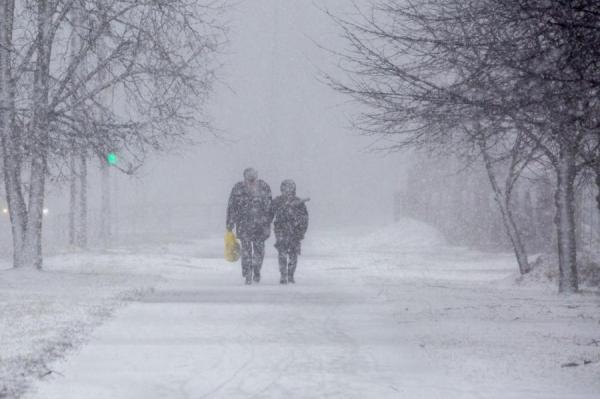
{"x": 522, "y": 67}
{"x": 11, "y": 140}
{"x": 423, "y": 94}
{"x": 158, "y": 59}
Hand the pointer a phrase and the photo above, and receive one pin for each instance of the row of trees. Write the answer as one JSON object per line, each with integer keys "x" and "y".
{"x": 511, "y": 83}
{"x": 80, "y": 79}
{"x": 459, "y": 201}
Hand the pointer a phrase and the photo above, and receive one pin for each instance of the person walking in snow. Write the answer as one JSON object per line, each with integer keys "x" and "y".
{"x": 290, "y": 224}
{"x": 249, "y": 212}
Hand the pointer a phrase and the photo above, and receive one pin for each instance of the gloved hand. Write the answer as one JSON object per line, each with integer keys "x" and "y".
{"x": 229, "y": 227}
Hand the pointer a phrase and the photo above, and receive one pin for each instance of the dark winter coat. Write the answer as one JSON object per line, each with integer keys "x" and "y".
{"x": 249, "y": 211}
{"x": 290, "y": 222}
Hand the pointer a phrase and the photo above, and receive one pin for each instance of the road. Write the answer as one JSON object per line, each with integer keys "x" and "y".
{"x": 350, "y": 328}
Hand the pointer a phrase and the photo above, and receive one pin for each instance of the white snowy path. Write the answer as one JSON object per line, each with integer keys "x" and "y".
{"x": 360, "y": 325}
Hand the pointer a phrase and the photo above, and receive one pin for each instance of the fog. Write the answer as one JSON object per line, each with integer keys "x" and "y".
{"x": 270, "y": 109}
{"x": 424, "y": 273}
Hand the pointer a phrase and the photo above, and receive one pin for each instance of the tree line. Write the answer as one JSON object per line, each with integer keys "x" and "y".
{"x": 509, "y": 84}
{"x": 81, "y": 79}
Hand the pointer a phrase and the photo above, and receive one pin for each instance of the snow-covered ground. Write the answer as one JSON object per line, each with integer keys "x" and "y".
{"x": 393, "y": 313}
{"x": 44, "y": 315}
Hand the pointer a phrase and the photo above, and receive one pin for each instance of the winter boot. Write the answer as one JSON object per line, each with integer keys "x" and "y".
{"x": 292, "y": 267}
{"x": 283, "y": 280}
{"x": 248, "y": 278}
{"x": 256, "y": 277}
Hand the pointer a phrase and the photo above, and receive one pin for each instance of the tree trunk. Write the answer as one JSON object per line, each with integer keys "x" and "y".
{"x": 11, "y": 152}
{"x": 565, "y": 221}
{"x": 78, "y": 236}
{"x": 105, "y": 199}
{"x": 78, "y": 211}
{"x": 14, "y": 198}
{"x": 82, "y": 236}
{"x": 72, "y": 198}
{"x": 545, "y": 214}
{"x": 105, "y": 212}
{"x": 597, "y": 170}
{"x": 32, "y": 257}
{"x": 580, "y": 216}
{"x": 502, "y": 198}
{"x": 32, "y": 248}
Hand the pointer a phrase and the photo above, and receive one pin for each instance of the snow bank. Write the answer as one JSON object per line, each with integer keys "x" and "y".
{"x": 402, "y": 235}
{"x": 44, "y": 315}
{"x": 545, "y": 271}
{"x": 589, "y": 269}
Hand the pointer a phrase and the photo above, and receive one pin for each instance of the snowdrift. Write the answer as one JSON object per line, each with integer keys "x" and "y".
{"x": 401, "y": 236}
{"x": 545, "y": 271}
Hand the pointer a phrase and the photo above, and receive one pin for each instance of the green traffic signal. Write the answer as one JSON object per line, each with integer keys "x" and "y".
{"x": 111, "y": 158}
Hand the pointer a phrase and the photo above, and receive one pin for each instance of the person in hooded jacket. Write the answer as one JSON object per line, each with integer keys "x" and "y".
{"x": 290, "y": 224}
{"x": 249, "y": 213}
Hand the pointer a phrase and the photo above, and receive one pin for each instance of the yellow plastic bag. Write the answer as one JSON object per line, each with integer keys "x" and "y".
{"x": 232, "y": 247}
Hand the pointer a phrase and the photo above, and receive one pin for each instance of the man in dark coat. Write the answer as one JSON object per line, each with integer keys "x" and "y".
{"x": 290, "y": 224}
{"x": 249, "y": 212}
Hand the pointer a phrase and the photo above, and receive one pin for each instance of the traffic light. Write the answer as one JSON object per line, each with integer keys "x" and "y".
{"x": 111, "y": 158}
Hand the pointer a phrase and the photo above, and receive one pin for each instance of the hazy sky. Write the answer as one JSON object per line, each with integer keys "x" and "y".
{"x": 274, "y": 113}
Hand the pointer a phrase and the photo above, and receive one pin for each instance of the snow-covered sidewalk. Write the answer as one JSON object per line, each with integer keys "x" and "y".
{"x": 367, "y": 319}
